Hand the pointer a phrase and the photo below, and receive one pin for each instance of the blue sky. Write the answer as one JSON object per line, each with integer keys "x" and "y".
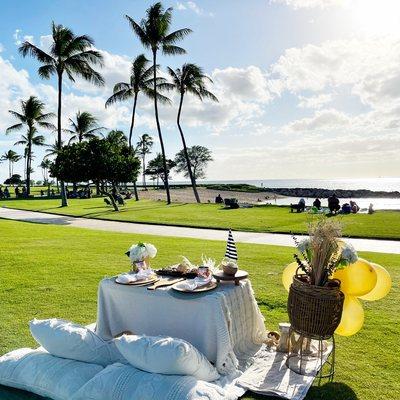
{"x": 307, "y": 88}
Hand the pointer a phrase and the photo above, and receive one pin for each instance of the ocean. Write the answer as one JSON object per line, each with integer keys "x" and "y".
{"x": 376, "y": 184}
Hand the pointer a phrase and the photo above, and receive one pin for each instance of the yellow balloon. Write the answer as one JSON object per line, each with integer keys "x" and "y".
{"x": 352, "y": 317}
{"x": 382, "y": 287}
{"x": 357, "y": 279}
{"x": 288, "y": 273}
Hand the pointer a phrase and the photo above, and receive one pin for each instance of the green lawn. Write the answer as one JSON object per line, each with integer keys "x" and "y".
{"x": 382, "y": 224}
{"x": 53, "y": 271}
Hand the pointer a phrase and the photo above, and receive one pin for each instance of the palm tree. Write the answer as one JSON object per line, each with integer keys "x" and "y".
{"x": 141, "y": 80}
{"x": 33, "y": 117}
{"x": 84, "y": 127}
{"x": 71, "y": 55}
{"x": 153, "y": 32}
{"x": 45, "y": 165}
{"x": 144, "y": 146}
{"x": 12, "y": 157}
{"x": 189, "y": 79}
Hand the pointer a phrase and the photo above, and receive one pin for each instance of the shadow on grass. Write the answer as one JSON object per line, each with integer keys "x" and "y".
{"x": 327, "y": 391}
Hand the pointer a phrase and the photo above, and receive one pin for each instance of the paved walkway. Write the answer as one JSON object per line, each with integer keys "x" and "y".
{"x": 381, "y": 246}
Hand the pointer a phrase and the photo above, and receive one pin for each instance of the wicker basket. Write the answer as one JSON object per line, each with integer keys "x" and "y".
{"x": 315, "y": 311}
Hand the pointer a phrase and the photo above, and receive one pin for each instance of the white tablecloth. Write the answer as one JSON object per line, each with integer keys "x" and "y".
{"x": 224, "y": 324}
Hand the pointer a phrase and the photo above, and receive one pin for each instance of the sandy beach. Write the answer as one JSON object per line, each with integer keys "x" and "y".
{"x": 208, "y": 195}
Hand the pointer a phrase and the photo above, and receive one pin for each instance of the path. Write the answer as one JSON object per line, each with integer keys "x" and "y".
{"x": 380, "y": 246}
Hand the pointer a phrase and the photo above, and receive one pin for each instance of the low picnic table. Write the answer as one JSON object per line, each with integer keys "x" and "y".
{"x": 224, "y": 324}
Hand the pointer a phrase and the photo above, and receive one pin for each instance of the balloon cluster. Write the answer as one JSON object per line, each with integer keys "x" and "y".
{"x": 362, "y": 280}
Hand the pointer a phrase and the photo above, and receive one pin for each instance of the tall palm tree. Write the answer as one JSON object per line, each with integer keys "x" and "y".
{"x": 143, "y": 147}
{"x": 154, "y": 33}
{"x": 33, "y": 117}
{"x": 12, "y": 157}
{"x": 71, "y": 55}
{"x": 140, "y": 80}
{"x": 84, "y": 127}
{"x": 45, "y": 165}
{"x": 189, "y": 79}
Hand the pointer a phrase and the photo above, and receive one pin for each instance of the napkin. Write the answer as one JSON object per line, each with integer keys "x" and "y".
{"x": 138, "y": 276}
{"x": 192, "y": 284}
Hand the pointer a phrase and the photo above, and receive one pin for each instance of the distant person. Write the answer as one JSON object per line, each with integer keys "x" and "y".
{"x": 1, "y": 193}
{"x": 53, "y": 193}
{"x": 354, "y": 207}
{"x": 24, "y": 191}
{"x": 317, "y": 203}
{"x": 6, "y": 193}
{"x": 219, "y": 199}
{"x": 371, "y": 209}
{"x": 42, "y": 193}
{"x": 346, "y": 208}
{"x": 333, "y": 204}
{"x": 302, "y": 205}
{"x": 17, "y": 191}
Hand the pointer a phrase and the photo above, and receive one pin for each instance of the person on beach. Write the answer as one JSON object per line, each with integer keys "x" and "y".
{"x": 354, "y": 207}
{"x": 333, "y": 204}
{"x": 218, "y": 199}
{"x": 371, "y": 209}
{"x": 317, "y": 203}
{"x": 6, "y": 193}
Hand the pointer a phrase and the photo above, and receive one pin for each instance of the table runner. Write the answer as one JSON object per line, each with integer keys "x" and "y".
{"x": 226, "y": 324}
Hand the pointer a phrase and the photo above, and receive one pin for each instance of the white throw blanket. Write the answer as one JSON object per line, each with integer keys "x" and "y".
{"x": 138, "y": 276}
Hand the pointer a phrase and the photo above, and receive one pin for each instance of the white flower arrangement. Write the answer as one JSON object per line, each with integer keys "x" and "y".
{"x": 139, "y": 252}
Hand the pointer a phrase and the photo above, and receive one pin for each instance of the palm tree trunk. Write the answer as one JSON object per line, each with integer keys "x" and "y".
{"x": 64, "y": 202}
{"x": 132, "y": 120}
{"x": 9, "y": 168}
{"x": 159, "y": 128}
{"x": 28, "y": 170}
{"x": 144, "y": 175}
{"x": 189, "y": 167}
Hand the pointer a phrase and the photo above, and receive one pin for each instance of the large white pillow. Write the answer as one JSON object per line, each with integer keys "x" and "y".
{"x": 124, "y": 382}
{"x": 68, "y": 340}
{"x": 166, "y": 355}
{"x": 41, "y": 373}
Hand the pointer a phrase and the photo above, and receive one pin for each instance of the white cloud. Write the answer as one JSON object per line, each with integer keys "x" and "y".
{"x": 297, "y": 4}
{"x": 316, "y": 101}
{"x": 192, "y": 6}
{"x": 323, "y": 120}
{"x": 17, "y": 37}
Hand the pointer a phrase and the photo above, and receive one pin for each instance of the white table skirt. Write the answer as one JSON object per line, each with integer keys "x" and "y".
{"x": 224, "y": 324}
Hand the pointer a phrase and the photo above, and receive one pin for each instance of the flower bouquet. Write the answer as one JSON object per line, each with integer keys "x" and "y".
{"x": 140, "y": 255}
{"x": 315, "y": 301}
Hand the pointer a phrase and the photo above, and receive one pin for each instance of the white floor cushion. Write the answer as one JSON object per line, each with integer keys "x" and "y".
{"x": 76, "y": 342}
{"x": 124, "y": 382}
{"x": 39, "y": 372}
{"x": 166, "y": 355}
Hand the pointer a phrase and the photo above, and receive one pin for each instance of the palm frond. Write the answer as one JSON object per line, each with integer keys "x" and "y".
{"x": 45, "y": 71}
{"x": 14, "y": 128}
{"x": 122, "y": 95}
{"x": 139, "y": 31}
{"x": 172, "y": 50}
{"x": 176, "y": 36}
{"x": 27, "y": 48}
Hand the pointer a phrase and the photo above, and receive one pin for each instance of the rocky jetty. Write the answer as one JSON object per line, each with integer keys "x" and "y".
{"x": 324, "y": 193}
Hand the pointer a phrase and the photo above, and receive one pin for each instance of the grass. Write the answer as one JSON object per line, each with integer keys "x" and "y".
{"x": 382, "y": 224}
{"x": 54, "y": 271}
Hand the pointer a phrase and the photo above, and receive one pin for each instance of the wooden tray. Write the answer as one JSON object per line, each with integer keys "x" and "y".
{"x": 176, "y": 274}
{"x": 144, "y": 282}
{"x": 221, "y": 276}
{"x": 211, "y": 286}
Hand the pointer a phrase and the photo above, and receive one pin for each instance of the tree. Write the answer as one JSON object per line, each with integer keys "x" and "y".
{"x": 71, "y": 55}
{"x": 154, "y": 33}
{"x": 105, "y": 160}
{"x": 45, "y": 165}
{"x": 33, "y": 117}
{"x": 155, "y": 168}
{"x": 199, "y": 157}
{"x": 12, "y": 157}
{"x": 141, "y": 80}
{"x": 189, "y": 79}
{"x": 144, "y": 146}
{"x": 84, "y": 127}
{"x": 15, "y": 179}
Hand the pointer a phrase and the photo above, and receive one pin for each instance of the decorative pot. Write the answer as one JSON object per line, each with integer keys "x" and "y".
{"x": 315, "y": 311}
